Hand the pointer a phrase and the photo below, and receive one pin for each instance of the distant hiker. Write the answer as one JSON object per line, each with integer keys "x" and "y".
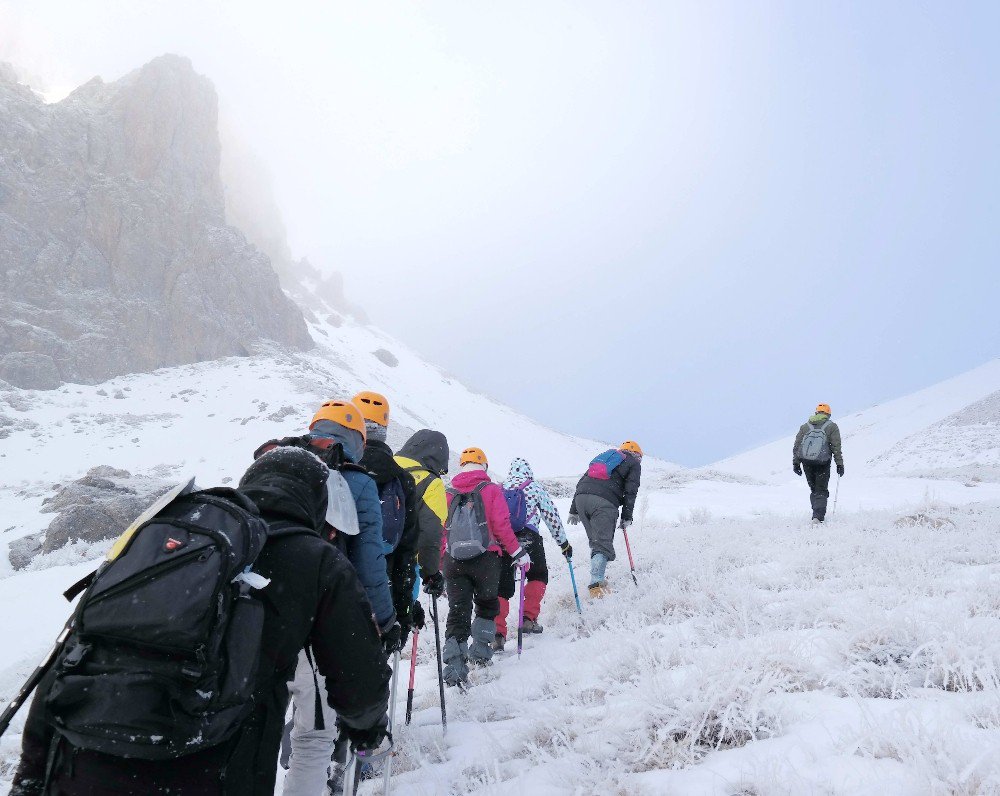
{"x": 530, "y": 504}
{"x": 817, "y": 442}
{"x": 477, "y": 530}
{"x": 398, "y": 495}
{"x": 90, "y": 716}
{"x": 425, "y": 457}
{"x": 611, "y": 482}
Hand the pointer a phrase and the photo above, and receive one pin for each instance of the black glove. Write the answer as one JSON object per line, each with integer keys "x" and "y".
{"x": 567, "y": 549}
{"x": 840, "y": 470}
{"x": 797, "y": 468}
{"x": 417, "y": 618}
{"x": 434, "y": 585}
{"x": 392, "y": 639}
{"x": 368, "y": 738}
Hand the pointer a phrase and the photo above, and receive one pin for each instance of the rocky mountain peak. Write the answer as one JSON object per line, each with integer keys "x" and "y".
{"x": 115, "y": 254}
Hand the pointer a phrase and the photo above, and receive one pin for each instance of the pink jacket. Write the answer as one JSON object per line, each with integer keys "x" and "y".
{"x": 497, "y": 513}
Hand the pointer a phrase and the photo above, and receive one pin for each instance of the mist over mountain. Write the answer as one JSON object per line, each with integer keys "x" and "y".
{"x": 116, "y": 253}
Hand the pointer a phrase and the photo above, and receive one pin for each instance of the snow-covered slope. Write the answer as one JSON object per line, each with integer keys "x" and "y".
{"x": 951, "y": 425}
{"x": 207, "y": 418}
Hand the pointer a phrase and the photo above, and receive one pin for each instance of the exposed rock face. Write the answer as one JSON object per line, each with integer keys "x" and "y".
{"x": 115, "y": 254}
{"x": 95, "y": 508}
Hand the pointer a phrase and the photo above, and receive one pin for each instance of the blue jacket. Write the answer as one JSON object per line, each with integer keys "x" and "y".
{"x": 365, "y": 551}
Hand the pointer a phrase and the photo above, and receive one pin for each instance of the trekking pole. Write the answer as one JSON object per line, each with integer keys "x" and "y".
{"x": 32, "y": 682}
{"x": 392, "y": 716}
{"x": 576, "y": 594}
{"x": 836, "y": 494}
{"x": 520, "y": 616}
{"x": 413, "y": 676}
{"x": 437, "y": 644}
{"x": 631, "y": 561}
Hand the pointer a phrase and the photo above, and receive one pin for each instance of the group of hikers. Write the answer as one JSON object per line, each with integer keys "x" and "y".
{"x": 214, "y": 614}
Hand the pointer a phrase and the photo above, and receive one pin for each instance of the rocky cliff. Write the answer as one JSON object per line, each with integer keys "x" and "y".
{"x": 115, "y": 253}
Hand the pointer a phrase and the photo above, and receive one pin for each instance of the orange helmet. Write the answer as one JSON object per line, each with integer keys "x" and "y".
{"x": 631, "y": 447}
{"x": 343, "y": 412}
{"x": 374, "y": 406}
{"x": 825, "y": 408}
{"x": 473, "y": 456}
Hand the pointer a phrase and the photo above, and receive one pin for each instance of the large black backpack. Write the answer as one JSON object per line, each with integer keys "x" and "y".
{"x": 162, "y": 658}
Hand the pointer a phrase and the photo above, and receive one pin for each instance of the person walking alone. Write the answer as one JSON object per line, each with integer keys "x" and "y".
{"x": 816, "y": 445}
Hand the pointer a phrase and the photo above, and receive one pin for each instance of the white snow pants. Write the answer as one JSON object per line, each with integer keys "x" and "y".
{"x": 312, "y": 749}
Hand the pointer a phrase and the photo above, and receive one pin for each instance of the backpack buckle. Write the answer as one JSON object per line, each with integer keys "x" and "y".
{"x": 75, "y": 656}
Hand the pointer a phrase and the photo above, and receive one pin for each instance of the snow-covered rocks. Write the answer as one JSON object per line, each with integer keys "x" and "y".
{"x": 90, "y": 510}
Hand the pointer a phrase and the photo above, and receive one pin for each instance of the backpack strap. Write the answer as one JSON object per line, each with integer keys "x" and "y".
{"x": 319, "y": 722}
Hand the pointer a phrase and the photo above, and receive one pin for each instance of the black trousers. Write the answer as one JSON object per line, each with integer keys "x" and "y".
{"x": 471, "y": 583}
{"x": 533, "y": 545}
{"x": 818, "y": 478}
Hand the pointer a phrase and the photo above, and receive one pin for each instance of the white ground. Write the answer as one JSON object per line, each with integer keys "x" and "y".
{"x": 758, "y": 655}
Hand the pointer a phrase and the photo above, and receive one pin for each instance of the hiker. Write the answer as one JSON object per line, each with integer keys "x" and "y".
{"x": 398, "y": 496}
{"x": 477, "y": 530}
{"x": 817, "y": 442}
{"x": 313, "y": 598}
{"x": 611, "y": 482}
{"x": 425, "y": 457}
{"x": 337, "y": 436}
{"x": 530, "y": 504}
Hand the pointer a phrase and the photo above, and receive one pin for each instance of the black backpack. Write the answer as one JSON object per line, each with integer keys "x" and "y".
{"x": 162, "y": 658}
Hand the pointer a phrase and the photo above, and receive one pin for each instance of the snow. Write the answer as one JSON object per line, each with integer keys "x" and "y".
{"x": 758, "y": 654}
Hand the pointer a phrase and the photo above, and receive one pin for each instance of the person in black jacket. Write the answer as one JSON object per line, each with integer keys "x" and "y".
{"x": 314, "y": 597}
{"x": 401, "y": 560}
{"x": 599, "y": 495}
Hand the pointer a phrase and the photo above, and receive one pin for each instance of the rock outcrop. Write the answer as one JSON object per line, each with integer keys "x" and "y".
{"x": 115, "y": 252}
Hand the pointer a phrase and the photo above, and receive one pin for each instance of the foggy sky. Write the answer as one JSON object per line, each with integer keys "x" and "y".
{"x": 681, "y": 223}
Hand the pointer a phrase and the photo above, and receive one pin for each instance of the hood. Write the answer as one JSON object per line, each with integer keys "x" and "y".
{"x": 428, "y": 447}
{"x": 469, "y": 480}
{"x": 520, "y": 471}
{"x": 379, "y": 463}
{"x": 819, "y": 418}
{"x": 289, "y": 483}
{"x": 351, "y": 440}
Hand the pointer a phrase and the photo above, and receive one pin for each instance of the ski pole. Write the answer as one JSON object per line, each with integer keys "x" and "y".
{"x": 437, "y": 644}
{"x": 520, "y": 616}
{"x": 576, "y": 594}
{"x": 631, "y": 561}
{"x": 36, "y": 677}
{"x": 392, "y": 716}
{"x": 413, "y": 676}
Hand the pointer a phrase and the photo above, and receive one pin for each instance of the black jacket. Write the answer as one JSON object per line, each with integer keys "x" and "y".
{"x": 314, "y": 597}
{"x": 401, "y": 563}
{"x": 620, "y": 489}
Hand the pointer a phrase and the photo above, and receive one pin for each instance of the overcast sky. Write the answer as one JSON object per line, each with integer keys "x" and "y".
{"x": 682, "y": 223}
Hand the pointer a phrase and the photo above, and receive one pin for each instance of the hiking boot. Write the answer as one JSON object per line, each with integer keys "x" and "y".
{"x": 498, "y": 642}
{"x": 817, "y": 520}
{"x": 479, "y": 663}
{"x": 531, "y": 626}
{"x": 599, "y": 590}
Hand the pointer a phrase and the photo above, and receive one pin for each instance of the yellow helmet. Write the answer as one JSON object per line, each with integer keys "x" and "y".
{"x": 345, "y": 413}
{"x": 374, "y": 406}
{"x": 824, "y": 408}
{"x": 473, "y": 456}
{"x": 631, "y": 447}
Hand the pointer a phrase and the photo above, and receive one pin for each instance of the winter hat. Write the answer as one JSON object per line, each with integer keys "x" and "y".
{"x": 290, "y": 482}
{"x": 376, "y": 431}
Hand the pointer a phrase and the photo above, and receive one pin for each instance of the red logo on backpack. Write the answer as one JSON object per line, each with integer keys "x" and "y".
{"x": 172, "y": 545}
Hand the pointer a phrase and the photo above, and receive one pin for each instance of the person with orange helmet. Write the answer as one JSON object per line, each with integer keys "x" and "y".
{"x": 336, "y": 436}
{"x": 611, "y": 482}
{"x": 476, "y": 533}
{"x": 817, "y": 443}
{"x": 398, "y": 495}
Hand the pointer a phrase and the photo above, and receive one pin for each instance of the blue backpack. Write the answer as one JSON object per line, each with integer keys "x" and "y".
{"x": 393, "y": 500}
{"x": 517, "y": 504}
{"x": 602, "y": 466}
